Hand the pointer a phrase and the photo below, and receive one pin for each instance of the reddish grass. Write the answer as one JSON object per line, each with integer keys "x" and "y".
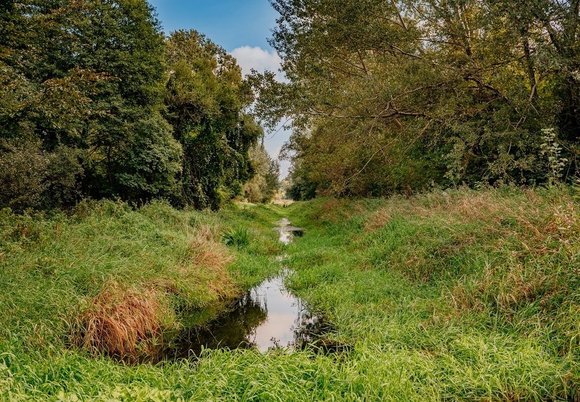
{"x": 377, "y": 220}
{"x": 125, "y": 324}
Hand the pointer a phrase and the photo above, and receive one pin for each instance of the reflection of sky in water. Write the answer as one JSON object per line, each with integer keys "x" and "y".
{"x": 268, "y": 316}
{"x": 283, "y": 312}
{"x": 285, "y": 234}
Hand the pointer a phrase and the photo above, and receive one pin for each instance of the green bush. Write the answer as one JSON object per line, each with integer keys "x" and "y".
{"x": 33, "y": 178}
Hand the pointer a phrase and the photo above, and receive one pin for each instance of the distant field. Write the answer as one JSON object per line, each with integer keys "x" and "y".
{"x": 458, "y": 295}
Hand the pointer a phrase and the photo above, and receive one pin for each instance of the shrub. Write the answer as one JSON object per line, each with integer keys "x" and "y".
{"x": 23, "y": 168}
{"x": 32, "y": 178}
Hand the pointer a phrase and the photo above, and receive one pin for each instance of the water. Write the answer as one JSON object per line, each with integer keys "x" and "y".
{"x": 267, "y": 317}
{"x": 287, "y": 231}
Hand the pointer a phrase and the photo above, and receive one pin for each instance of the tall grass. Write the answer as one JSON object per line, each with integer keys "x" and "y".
{"x": 458, "y": 295}
{"x": 111, "y": 279}
{"x": 484, "y": 285}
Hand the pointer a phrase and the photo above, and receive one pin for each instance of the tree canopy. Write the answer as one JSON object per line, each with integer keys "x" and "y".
{"x": 205, "y": 99}
{"x": 96, "y": 102}
{"x": 398, "y": 95}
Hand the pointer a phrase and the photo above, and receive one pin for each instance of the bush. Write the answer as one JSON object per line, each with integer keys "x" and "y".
{"x": 32, "y": 178}
{"x": 23, "y": 168}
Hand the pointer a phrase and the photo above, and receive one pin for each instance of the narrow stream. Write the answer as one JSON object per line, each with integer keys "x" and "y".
{"x": 268, "y": 316}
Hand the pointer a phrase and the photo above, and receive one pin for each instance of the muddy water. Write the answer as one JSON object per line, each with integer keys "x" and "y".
{"x": 269, "y": 316}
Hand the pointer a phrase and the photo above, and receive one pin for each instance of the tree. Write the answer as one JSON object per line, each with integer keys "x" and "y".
{"x": 265, "y": 182}
{"x": 394, "y": 95}
{"x": 205, "y": 98}
{"x": 88, "y": 76}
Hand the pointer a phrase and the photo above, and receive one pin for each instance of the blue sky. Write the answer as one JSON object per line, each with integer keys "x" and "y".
{"x": 230, "y": 23}
{"x": 242, "y": 27}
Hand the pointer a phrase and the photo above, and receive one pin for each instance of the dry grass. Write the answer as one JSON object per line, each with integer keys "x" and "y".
{"x": 490, "y": 209}
{"x": 505, "y": 291}
{"x": 207, "y": 252}
{"x": 122, "y": 323}
{"x": 538, "y": 233}
{"x": 462, "y": 207}
{"x": 336, "y": 210}
{"x": 378, "y": 219}
{"x": 208, "y": 257}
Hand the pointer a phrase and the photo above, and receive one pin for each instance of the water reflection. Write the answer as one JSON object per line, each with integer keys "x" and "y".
{"x": 285, "y": 314}
{"x": 287, "y": 231}
{"x": 266, "y": 317}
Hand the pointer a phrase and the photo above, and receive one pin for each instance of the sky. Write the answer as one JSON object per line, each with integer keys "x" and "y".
{"x": 241, "y": 27}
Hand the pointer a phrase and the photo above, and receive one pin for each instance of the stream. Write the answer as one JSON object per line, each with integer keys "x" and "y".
{"x": 267, "y": 317}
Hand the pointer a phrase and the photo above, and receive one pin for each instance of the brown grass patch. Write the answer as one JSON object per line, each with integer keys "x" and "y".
{"x": 335, "y": 210}
{"x": 208, "y": 260}
{"x": 125, "y": 324}
{"x": 206, "y": 251}
{"x": 377, "y": 220}
{"x": 549, "y": 231}
{"x": 484, "y": 206}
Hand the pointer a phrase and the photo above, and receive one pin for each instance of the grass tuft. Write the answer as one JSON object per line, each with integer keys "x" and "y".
{"x": 121, "y": 323}
{"x": 238, "y": 237}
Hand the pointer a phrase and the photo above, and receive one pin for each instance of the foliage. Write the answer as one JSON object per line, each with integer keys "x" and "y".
{"x": 205, "y": 97}
{"x": 392, "y": 96}
{"x": 33, "y": 178}
{"x": 265, "y": 183}
{"x": 238, "y": 237}
{"x": 145, "y": 117}
{"x": 301, "y": 187}
{"x": 552, "y": 151}
{"x": 87, "y": 76}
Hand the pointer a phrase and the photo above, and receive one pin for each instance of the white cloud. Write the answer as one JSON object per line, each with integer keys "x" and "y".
{"x": 263, "y": 60}
{"x": 258, "y": 59}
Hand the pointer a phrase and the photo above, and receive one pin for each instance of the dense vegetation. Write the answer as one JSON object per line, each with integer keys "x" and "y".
{"x": 391, "y": 96}
{"x": 106, "y": 126}
{"x": 95, "y": 102}
{"x": 459, "y": 295}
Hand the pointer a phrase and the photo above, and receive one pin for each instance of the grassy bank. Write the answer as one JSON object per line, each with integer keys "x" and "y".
{"x": 455, "y": 295}
{"x": 107, "y": 280}
{"x": 467, "y": 295}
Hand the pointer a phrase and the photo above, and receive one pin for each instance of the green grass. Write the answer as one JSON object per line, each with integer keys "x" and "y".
{"x": 237, "y": 237}
{"x": 458, "y": 295}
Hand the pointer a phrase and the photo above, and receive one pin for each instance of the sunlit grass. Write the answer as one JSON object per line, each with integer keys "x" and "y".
{"x": 460, "y": 295}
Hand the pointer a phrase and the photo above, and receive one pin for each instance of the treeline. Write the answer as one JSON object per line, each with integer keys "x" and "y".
{"x": 95, "y": 102}
{"x": 397, "y": 96}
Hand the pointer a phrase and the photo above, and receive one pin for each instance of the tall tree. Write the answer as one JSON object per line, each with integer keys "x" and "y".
{"x": 393, "y": 95}
{"x": 205, "y": 98}
{"x": 87, "y": 77}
